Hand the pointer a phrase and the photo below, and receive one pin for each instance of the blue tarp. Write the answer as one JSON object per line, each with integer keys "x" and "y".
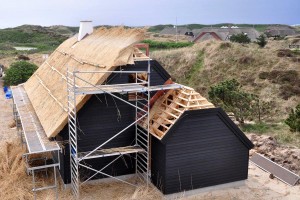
{"x": 8, "y": 94}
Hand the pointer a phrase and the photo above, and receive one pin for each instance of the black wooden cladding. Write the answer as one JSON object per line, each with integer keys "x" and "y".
{"x": 204, "y": 148}
{"x": 102, "y": 117}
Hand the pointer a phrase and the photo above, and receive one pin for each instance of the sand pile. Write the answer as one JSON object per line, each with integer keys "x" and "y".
{"x": 288, "y": 157}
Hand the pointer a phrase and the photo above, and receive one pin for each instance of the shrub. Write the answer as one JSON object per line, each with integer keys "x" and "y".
{"x": 240, "y": 38}
{"x": 231, "y": 98}
{"x": 19, "y": 72}
{"x": 263, "y": 75}
{"x": 293, "y": 121}
{"x": 228, "y": 95}
{"x": 278, "y": 37}
{"x": 225, "y": 45}
{"x": 261, "y": 41}
{"x": 285, "y": 53}
{"x": 246, "y": 60}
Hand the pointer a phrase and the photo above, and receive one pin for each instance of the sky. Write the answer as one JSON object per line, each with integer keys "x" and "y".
{"x": 147, "y": 12}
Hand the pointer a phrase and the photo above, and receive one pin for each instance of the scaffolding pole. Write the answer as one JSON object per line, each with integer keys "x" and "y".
{"x": 140, "y": 88}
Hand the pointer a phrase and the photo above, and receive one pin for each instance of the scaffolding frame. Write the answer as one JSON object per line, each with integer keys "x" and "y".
{"x": 36, "y": 142}
{"x": 142, "y": 91}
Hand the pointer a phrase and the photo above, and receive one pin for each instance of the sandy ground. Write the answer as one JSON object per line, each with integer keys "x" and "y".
{"x": 258, "y": 185}
{"x": 36, "y": 58}
{"x": 6, "y": 116}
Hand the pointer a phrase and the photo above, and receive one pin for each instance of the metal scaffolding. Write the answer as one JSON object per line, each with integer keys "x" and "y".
{"x": 141, "y": 90}
{"x": 33, "y": 135}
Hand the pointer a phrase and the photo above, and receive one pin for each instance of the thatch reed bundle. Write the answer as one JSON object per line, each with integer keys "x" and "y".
{"x": 103, "y": 50}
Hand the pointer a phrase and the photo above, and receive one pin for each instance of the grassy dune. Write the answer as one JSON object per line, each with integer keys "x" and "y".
{"x": 273, "y": 73}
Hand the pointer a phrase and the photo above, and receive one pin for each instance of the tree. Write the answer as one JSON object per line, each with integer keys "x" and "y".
{"x": 262, "y": 41}
{"x": 19, "y": 72}
{"x": 293, "y": 121}
{"x": 240, "y": 38}
{"x": 229, "y": 95}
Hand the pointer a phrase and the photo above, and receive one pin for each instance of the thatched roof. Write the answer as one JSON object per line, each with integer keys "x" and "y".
{"x": 104, "y": 49}
{"x": 172, "y": 30}
{"x": 225, "y": 33}
{"x": 168, "y": 108}
{"x": 280, "y": 30}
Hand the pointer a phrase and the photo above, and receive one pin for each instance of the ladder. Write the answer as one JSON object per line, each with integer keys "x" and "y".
{"x": 142, "y": 135}
{"x": 72, "y": 118}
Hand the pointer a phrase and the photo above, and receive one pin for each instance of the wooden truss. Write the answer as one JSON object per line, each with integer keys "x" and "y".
{"x": 169, "y": 107}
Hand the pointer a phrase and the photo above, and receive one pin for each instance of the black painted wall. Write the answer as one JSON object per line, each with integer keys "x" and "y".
{"x": 204, "y": 148}
{"x": 102, "y": 117}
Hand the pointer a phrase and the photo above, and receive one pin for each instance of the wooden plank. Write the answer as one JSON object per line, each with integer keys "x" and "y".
{"x": 180, "y": 104}
{"x": 170, "y": 107}
{"x": 160, "y": 124}
{"x": 278, "y": 171}
{"x": 171, "y": 114}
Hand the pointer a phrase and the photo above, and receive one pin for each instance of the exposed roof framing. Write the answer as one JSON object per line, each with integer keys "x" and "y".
{"x": 169, "y": 107}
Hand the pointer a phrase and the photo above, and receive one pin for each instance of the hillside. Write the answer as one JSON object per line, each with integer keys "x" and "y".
{"x": 258, "y": 27}
{"x": 42, "y": 38}
{"x": 263, "y": 71}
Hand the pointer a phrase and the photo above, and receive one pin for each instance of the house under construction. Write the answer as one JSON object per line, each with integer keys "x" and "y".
{"x": 103, "y": 108}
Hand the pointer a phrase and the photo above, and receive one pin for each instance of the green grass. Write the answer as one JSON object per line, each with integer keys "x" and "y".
{"x": 280, "y": 131}
{"x": 193, "y": 73}
{"x": 156, "y": 45}
{"x": 42, "y": 38}
{"x": 259, "y": 128}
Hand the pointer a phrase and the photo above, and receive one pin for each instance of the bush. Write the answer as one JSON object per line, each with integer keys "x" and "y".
{"x": 228, "y": 95}
{"x": 285, "y": 53}
{"x": 261, "y": 41}
{"x": 293, "y": 121}
{"x": 240, "y": 38}
{"x": 225, "y": 45}
{"x": 231, "y": 98}
{"x": 19, "y": 72}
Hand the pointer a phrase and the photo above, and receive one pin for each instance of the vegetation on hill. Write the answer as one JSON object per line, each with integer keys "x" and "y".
{"x": 262, "y": 41}
{"x": 271, "y": 73}
{"x": 41, "y": 38}
{"x": 240, "y": 38}
{"x": 158, "y": 28}
{"x": 19, "y": 72}
{"x": 245, "y": 106}
{"x": 293, "y": 121}
{"x": 155, "y": 45}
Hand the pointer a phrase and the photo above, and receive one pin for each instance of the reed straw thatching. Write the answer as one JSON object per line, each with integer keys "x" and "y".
{"x": 104, "y": 50}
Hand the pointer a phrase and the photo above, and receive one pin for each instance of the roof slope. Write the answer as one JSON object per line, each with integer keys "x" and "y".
{"x": 172, "y": 30}
{"x": 103, "y": 50}
{"x": 225, "y": 33}
{"x": 169, "y": 107}
{"x": 280, "y": 30}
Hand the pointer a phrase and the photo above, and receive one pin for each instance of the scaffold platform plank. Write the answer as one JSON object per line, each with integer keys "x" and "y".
{"x": 111, "y": 152}
{"x": 278, "y": 171}
{"x": 35, "y": 136}
{"x": 124, "y": 88}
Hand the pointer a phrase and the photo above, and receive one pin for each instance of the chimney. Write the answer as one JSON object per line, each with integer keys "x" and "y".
{"x": 85, "y": 28}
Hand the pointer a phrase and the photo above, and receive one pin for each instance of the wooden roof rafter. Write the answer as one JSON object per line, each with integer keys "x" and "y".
{"x": 169, "y": 107}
